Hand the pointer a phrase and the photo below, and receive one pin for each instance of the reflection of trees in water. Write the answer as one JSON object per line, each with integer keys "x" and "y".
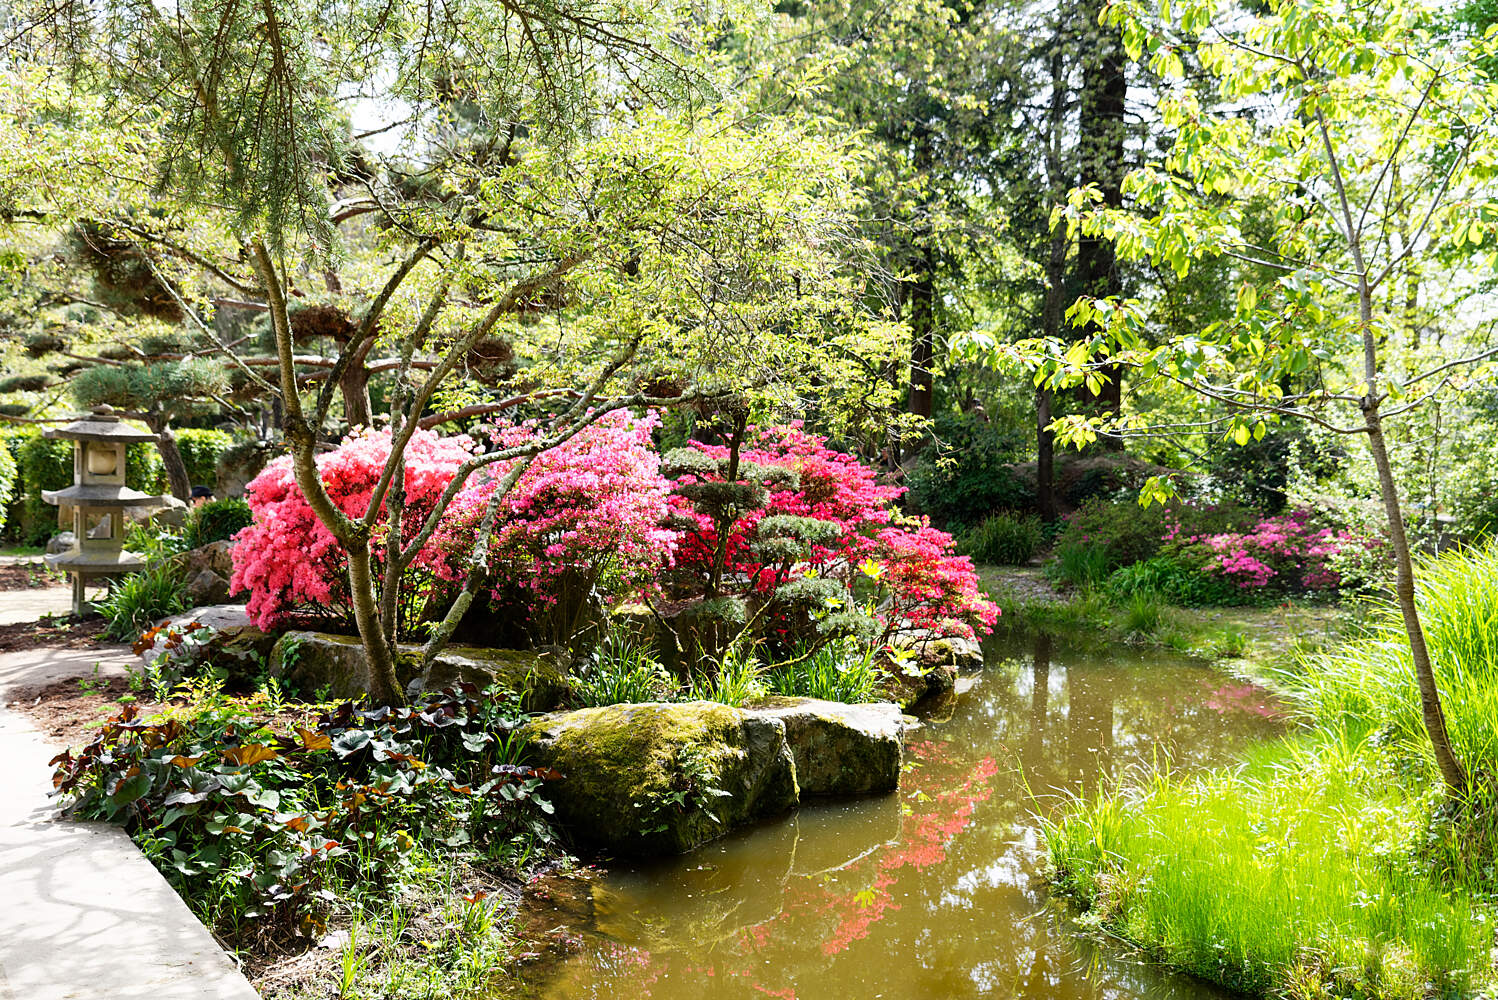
{"x": 930, "y": 893}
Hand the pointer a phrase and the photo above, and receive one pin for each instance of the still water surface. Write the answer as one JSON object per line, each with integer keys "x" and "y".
{"x": 929, "y": 893}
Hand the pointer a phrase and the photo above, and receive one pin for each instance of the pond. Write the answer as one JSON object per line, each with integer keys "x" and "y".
{"x": 931, "y": 892}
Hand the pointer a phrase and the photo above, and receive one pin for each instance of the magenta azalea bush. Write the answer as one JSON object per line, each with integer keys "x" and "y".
{"x": 586, "y": 518}
{"x": 594, "y": 521}
{"x": 1290, "y": 552}
{"x": 289, "y": 562}
{"x": 904, "y": 568}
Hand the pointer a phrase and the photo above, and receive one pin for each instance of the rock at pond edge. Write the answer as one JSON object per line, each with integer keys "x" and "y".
{"x": 840, "y": 749}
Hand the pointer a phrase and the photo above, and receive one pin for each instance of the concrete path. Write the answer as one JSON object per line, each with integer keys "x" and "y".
{"x": 31, "y": 605}
{"x": 83, "y": 914}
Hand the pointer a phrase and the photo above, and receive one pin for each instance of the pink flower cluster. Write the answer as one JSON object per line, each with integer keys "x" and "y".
{"x": 596, "y": 505}
{"x": 288, "y": 560}
{"x": 1288, "y": 547}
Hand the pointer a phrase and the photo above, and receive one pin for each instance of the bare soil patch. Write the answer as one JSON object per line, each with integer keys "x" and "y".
{"x": 69, "y": 712}
{"x": 59, "y": 633}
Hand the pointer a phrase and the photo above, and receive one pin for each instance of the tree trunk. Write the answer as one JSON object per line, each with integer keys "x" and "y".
{"x": 384, "y": 688}
{"x": 923, "y": 336}
{"x": 1102, "y": 162}
{"x": 1431, "y": 712}
{"x": 171, "y": 461}
{"x": 1045, "y": 458}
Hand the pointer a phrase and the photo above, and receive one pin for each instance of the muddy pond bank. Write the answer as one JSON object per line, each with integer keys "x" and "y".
{"x": 929, "y": 892}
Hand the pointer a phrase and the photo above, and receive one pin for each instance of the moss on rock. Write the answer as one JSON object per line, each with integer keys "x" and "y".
{"x": 659, "y": 778}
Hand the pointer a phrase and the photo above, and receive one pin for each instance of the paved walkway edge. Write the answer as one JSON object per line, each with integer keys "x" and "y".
{"x": 83, "y": 914}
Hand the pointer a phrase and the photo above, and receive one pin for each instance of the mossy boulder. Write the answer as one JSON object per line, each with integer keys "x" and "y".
{"x": 538, "y": 676}
{"x": 840, "y": 749}
{"x": 317, "y": 661}
{"x": 324, "y": 665}
{"x": 658, "y": 778}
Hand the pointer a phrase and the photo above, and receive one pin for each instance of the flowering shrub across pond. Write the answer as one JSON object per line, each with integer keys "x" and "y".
{"x": 1289, "y": 552}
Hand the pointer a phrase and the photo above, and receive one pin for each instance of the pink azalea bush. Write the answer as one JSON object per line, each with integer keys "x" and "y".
{"x": 1289, "y": 552}
{"x": 289, "y": 562}
{"x": 589, "y": 515}
{"x": 906, "y": 568}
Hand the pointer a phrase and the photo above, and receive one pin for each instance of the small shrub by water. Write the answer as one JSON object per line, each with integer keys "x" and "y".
{"x": 1003, "y": 539}
{"x": 1142, "y": 614}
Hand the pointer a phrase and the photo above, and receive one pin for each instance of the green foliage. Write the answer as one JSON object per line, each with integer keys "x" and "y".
{"x": 1003, "y": 539}
{"x": 845, "y": 671}
{"x": 1370, "y": 681}
{"x": 622, "y": 668}
{"x": 136, "y": 602}
{"x": 970, "y": 478}
{"x": 1142, "y": 614}
{"x": 172, "y": 385}
{"x": 200, "y": 452}
{"x": 266, "y": 829}
{"x": 215, "y": 521}
{"x": 1080, "y": 564}
{"x": 733, "y": 680}
{"x": 1177, "y": 581}
{"x": 1291, "y": 878}
{"x": 9, "y": 475}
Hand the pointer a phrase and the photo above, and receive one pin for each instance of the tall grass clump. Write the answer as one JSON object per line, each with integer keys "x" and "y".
{"x": 1003, "y": 539}
{"x": 622, "y": 668}
{"x": 1079, "y": 564}
{"x": 735, "y": 682}
{"x": 838, "y": 671}
{"x": 140, "y": 600}
{"x": 1371, "y": 679}
{"x": 1292, "y": 878}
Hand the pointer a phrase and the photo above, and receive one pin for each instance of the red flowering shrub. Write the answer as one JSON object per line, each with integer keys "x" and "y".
{"x": 585, "y": 517}
{"x": 906, "y": 570}
{"x": 287, "y": 559}
{"x": 585, "y": 522}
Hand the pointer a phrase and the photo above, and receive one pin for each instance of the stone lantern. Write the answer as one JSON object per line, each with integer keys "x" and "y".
{"x": 97, "y": 500}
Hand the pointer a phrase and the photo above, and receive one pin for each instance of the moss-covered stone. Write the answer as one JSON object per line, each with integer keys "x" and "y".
{"x": 840, "y": 749}
{"x": 539, "y": 677}
{"x": 660, "y": 778}
{"x": 320, "y": 663}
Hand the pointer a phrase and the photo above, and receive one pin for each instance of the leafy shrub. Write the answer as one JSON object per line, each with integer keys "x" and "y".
{"x": 200, "y": 450}
{"x": 1129, "y": 533}
{"x": 136, "y": 602}
{"x": 1004, "y": 539}
{"x": 8, "y": 477}
{"x": 271, "y": 827}
{"x": 970, "y": 477}
{"x": 216, "y": 521}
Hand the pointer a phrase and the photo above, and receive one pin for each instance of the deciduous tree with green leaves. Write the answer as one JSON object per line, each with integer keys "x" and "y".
{"x": 549, "y": 185}
{"x": 1350, "y": 148}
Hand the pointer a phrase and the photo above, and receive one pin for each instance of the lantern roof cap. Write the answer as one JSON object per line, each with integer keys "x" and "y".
{"x": 103, "y": 496}
{"x": 99, "y": 424}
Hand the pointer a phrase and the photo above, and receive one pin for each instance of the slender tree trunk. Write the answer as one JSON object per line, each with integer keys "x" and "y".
{"x": 171, "y": 460}
{"x": 1431, "y": 712}
{"x": 1102, "y": 162}
{"x": 923, "y": 299}
{"x": 1053, "y": 305}
{"x": 384, "y": 688}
